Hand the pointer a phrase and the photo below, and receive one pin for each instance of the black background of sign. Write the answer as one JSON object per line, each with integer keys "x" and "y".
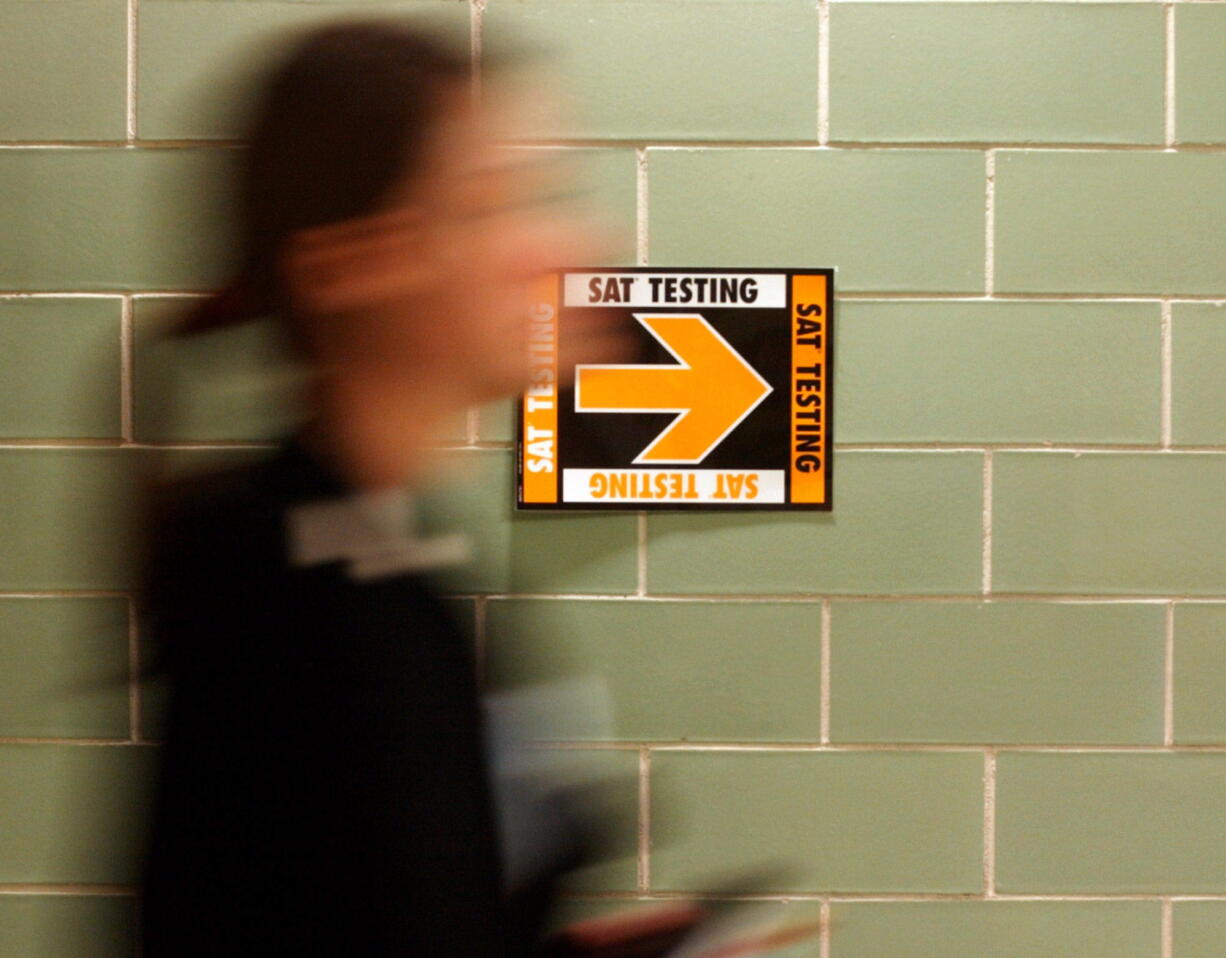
{"x": 591, "y": 440}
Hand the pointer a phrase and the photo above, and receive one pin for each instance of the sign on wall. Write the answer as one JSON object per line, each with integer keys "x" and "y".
{"x": 726, "y": 405}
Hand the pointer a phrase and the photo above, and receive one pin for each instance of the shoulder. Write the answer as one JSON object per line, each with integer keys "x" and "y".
{"x": 210, "y": 536}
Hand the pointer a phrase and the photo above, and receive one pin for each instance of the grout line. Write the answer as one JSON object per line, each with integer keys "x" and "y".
{"x": 1168, "y": 928}
{"x": 824, "y": 698}
{"x": 67, "y": 888}
{"x": 989, "y": 223}
{"x": 644, "y": 848}
{"x": 884, "y": 296}
{"x": 640, "y": 199}
{"x": 87, "y": 742}
{"x": 476, "y": 37}
{"x": 64, "y": 594}
{"x": 126, "y": 365}
{"x": 1168, "y": 680}
{"x": 989, "y": 823}
{"x": 104, "y": 294}
{"x": 1166, "y": 387}
{"x": 464, "y": 445}
{"x": 127, "y": 143}
{"x": 475, "y": 445}
{"x": 135, "y": 732}
{"x": 987, "y": 522}
{"x": 125, "y": 444}
{"x": 641, "y": 255}
{"x": 1049, "y": 598}
{"x": 865, "y": 897}
{"x": 479, "y": 640}
{"x": 823, "y": 942}
{"x": 641, "y": 553}
{"x": 977, "y": 748}
{"x": 809, "y": 144}
{"x": 826, "y": 898}
{"x": 797, "y": 747}
{"x": 1168, "y": 90}
{"x": 1078, "y": 449}
{"x": 812, "y": 145}
{"x": 62, "y": 295}
{"x": 823, "y": 72}
{"x": 850, "y": 597}
{"x": 130, "y": 93}
{"x": 712, "y": 597}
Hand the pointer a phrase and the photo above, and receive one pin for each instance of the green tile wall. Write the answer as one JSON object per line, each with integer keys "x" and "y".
{"x": 1097, "y": 522}
{"x": 68, "y": 926}
{"x": 724, "y": 673}
{"x": 65, "y": 70}
{"x": 73, "y": 813}
{"x": 64, "y": 667}
{"x": 88, "y": 219}
{"x": 60, "y": 365}
{"x": 746, "y": 70}
{"x": 994, "y": 670}
{"x": 863, "y": 822}
{"x": 200, "y": 60}
{"x": 880, "y": 216}
{"x": 71, "y": 510}
{"x": 1198, "y": 374}
{"x": 903, "y": 522}
{"x": 1200, "y": 91}
{"x": 996, "y": 72}
{"x": 1200, "y": 674}
{"x": 1124, "y": 822}
{"x": 1027, "y": 929}
{"x": 1110, "y": 222}
{"x": 1199, "y": 928}
{"x": 998, "y": 372}
{"x": 497, "y": 421}
{"x": 1000, "y": 672}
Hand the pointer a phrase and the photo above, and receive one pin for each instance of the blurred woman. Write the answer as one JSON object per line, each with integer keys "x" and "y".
{"x": 323, "y": 787}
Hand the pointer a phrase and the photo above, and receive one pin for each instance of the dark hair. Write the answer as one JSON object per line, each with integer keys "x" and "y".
{"x": 337, "y": 125}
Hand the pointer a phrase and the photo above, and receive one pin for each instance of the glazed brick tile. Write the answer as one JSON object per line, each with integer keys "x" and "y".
{"x": 722, "y": 671}
{"x": 996, "y": 72}
{"x": 875, "y": 215}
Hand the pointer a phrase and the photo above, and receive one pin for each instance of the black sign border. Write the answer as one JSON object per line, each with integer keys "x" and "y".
{"x": 673, "y": 506}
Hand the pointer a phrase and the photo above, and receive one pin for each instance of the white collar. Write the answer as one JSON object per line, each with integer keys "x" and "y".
{"x": 374, "y": 533}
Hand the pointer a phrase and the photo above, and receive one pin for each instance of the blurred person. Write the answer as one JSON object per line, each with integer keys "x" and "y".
{"x": 324, "y": 786}
{"x": 328, "y": 784}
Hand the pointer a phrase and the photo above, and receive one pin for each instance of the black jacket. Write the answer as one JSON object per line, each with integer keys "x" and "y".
{"x": 323, "y": 786}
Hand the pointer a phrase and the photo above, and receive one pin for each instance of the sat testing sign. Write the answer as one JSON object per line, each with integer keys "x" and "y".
{"x": 727, "y": 404}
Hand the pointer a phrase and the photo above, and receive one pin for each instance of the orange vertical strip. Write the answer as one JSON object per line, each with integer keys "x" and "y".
{"x": 538, "y": 443}
{"x": 810, "y": 377}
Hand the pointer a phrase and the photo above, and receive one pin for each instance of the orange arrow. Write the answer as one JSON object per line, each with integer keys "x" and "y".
{"x": 712, "y": 388}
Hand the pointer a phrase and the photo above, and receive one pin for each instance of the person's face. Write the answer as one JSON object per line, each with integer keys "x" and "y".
{"x": 438, "y": 280}
{"x": 490, "y": 229}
